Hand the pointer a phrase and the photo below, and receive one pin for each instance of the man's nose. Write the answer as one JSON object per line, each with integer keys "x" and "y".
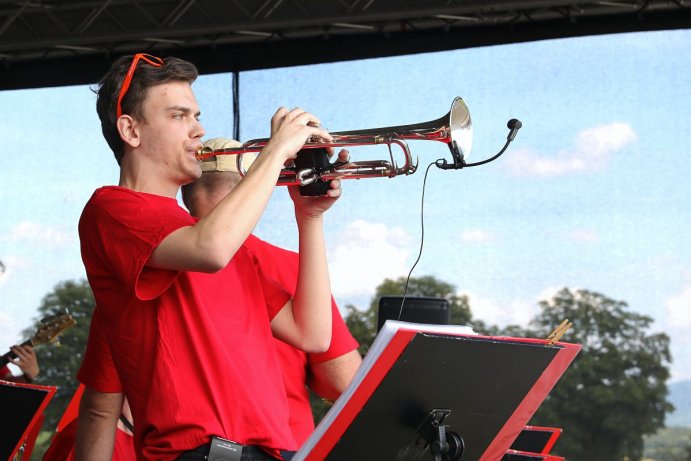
{"x": 198, "y": 130}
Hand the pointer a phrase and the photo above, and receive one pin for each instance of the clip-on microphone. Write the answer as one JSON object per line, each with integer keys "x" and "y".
{"x": 458, "y": 162}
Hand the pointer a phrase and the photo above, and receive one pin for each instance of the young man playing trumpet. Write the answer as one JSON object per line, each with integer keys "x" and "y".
{"x": 188, "y": 316}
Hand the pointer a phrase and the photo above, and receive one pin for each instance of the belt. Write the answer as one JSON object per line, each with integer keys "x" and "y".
{"x": 248, "y": 453}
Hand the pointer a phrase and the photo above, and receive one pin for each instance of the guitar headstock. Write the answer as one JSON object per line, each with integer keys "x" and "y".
{"x": 52, "y": 327}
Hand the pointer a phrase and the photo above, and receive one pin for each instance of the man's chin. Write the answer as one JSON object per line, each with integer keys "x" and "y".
{"x": 193, "y": 175}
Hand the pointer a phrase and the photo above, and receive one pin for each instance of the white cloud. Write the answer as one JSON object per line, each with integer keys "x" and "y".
{"x": 11, "y": 263}
{"x": 493, "y": 312}
{"x": 679, "y": 308}
{"x": 365, "y": 254}
{"x": 677, "y": 324}
{"x": 591, "y": 150}
{"x": 477, "y": 236}
{"x": 549, "y": 293}
{"x": 583, "y": 235}
{"x": 33, "y": 232}
{"x": 9, "y": 330}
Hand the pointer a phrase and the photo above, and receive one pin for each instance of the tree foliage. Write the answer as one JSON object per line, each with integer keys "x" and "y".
{"x": 615, "y": 391}
{"x": 59, "y": 363}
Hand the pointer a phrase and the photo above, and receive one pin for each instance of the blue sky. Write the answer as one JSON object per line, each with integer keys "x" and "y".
{"x": 592, "y": 194}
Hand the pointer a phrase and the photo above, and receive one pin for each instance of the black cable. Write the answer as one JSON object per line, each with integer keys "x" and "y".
{"x": 128, "y": 424}
{"x": 422, "y": 238}
{"x": 491, "y": 158}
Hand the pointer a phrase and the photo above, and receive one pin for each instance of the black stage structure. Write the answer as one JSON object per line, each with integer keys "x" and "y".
{"x": 47, "y": 43}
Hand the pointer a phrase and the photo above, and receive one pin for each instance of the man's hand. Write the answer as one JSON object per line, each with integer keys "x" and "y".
{"x": 309, "y": 206}
{"x": 26, "y": 361}
{"x": 290, "y": 130}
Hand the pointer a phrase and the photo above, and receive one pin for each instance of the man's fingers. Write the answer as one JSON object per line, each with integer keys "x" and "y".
{"x": 335, "y": 190}
{"x": 304, "y": 118}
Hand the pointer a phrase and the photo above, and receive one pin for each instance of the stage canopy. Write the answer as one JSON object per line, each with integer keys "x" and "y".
{"x": 63, "y": 42}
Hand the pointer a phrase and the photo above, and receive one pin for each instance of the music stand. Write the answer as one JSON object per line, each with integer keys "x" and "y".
{"x": 23, "y": 406}
{"x": 416, "y": 309}
{"x": 536, "y": 439}
{"x": 513, "y": 455}
{"x": 419, "y": 381}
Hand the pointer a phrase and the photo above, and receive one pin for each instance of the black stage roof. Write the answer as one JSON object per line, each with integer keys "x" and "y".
{"x": 63, "y": 42}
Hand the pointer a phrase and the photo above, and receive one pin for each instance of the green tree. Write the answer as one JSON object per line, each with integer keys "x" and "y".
{"x": 59, "y": 363}
{"x": 362, "y": 325}
{"x": 615, "y": 391}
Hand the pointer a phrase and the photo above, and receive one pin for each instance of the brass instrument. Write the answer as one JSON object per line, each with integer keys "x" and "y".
{"x": 454, "y": 129}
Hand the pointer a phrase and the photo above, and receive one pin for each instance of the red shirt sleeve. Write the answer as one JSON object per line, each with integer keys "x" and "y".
{"x": 98, "y": 370}
{"x": 119, "y": 229}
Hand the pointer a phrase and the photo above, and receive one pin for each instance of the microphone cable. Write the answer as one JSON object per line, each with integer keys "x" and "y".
{"x": 513, "y": 125}
{"x": 422, "y": 238}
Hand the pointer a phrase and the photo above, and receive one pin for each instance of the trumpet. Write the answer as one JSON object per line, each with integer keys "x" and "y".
{"x": 313, "y": 167}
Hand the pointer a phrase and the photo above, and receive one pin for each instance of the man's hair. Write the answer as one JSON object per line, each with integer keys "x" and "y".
{"x": 205, "y": 185}
{"x": 144, "y": 77}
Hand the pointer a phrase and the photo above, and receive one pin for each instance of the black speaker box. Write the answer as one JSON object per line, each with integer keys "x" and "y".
{"x": 431, "y": 311}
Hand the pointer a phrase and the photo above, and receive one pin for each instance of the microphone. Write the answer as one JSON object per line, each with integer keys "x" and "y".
{"x": 514, "y": 125}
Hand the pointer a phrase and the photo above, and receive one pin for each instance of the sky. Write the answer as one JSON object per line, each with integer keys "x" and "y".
{"x": 592, "y": 194}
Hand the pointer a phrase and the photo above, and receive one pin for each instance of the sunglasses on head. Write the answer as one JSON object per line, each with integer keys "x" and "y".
{"x": 153, "y": 60}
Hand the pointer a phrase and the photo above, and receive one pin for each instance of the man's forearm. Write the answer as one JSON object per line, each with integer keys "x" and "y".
{"x": 98, "y": 418}
{"x": 312, "y": 300}
{"x": 329, "y": 379}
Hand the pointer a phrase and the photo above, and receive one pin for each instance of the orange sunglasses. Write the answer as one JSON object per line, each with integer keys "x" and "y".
{"x": 153, "y": 60}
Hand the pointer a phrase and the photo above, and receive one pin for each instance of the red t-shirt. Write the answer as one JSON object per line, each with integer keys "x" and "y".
{"x": 193, "y": 351}
{"x": 282, "y": 266}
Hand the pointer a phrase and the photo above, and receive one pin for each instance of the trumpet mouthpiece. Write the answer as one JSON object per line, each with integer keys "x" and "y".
{"x": 203, "y": 152}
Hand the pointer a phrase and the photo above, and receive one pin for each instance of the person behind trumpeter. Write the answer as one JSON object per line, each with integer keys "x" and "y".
{"x": 327, "y": 374}
{"x": 25, "y": 359}
{"x": 189, "y": 315}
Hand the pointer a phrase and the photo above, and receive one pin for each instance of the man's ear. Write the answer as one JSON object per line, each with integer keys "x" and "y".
{"x": 129, "y": 130}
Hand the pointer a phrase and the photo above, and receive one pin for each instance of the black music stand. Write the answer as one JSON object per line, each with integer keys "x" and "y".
{"x": 423, "y": 386}
{"x": 513, "y": 455}
{"x": 416, "y": 309}
{"x": 536, "y": 439}
{"x": 23, "y": 406}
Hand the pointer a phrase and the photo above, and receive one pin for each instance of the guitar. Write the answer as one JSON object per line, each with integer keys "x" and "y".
{"x": 48, "y": 331}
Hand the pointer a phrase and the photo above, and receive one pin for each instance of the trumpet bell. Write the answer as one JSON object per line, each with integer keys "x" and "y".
{"x": 460, "y": 130}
